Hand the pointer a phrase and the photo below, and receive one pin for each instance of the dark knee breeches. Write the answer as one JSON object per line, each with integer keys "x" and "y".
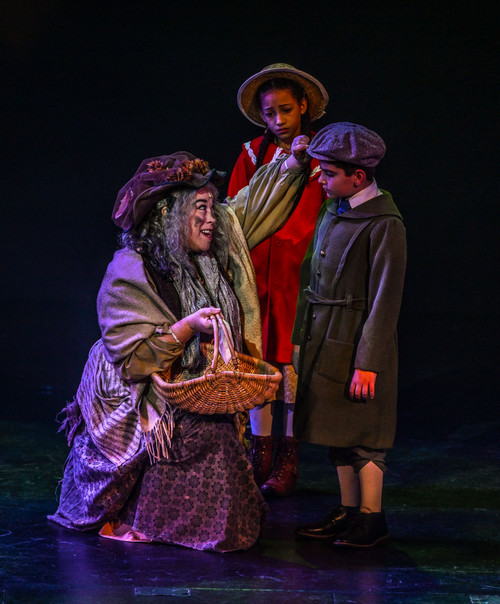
{"x": 357, "y": 457}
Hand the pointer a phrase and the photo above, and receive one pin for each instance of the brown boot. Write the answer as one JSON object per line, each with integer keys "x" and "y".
{"x": 285, "y": 471}
{"x": 261, "y": 457}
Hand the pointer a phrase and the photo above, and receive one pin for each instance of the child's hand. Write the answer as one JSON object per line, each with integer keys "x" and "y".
{"x": 362, "y": 385}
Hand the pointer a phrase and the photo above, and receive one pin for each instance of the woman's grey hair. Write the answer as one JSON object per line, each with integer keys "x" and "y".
{"x": 164, "y": 237}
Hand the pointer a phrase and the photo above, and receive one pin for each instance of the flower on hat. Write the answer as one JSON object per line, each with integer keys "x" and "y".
{"x": 182, "y": 172}
{"x": 153, "y": 178}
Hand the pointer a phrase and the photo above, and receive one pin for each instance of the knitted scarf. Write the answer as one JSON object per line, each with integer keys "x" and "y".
{"x": 209, "y": 288}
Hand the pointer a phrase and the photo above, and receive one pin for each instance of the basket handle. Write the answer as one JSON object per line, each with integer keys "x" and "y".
{"x": 216, "y": 322}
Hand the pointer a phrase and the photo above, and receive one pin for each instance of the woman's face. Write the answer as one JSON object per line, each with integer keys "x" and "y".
{"x": 282, "y": 114}
{"x": 201, "y": 222}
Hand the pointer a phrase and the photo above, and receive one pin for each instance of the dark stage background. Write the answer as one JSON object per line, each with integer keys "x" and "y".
{"x": 89, "y": 90}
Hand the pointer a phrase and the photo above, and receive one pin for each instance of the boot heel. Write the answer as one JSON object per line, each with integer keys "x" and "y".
{"x": 261, "y": 457}
{"x": 285, "y": 471}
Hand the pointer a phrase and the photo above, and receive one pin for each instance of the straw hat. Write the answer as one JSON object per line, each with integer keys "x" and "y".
{"x": 247, "y": 94}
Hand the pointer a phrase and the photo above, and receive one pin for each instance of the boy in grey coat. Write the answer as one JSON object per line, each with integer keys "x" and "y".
{"x": 345, "y": 343}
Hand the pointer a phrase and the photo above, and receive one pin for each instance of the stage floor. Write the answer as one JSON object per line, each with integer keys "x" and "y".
{"x": 441, "y": 498}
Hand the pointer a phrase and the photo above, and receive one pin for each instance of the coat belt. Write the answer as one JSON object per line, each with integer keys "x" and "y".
{"x": 348, "y": 302}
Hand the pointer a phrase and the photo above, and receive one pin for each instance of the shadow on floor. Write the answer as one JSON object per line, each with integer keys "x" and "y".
{"x": 441, "y": 498}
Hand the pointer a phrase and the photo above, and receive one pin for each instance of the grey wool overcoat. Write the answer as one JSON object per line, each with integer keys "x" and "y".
{"x": 347, "y": 312}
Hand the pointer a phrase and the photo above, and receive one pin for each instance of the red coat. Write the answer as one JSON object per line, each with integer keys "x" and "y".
{"x": 277, "y": 260}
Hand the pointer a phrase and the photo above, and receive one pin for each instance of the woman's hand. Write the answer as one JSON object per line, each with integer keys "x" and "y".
{"x": 183, "y": 330}
{"x": 200, "y": 320}
{"x": 299, "y": 158}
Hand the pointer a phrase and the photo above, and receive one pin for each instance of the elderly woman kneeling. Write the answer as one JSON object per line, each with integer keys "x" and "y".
{"x": 139, "y": 468}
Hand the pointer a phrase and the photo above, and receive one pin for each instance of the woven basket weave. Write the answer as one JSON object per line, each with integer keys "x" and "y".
{"x": 241, "y": 384}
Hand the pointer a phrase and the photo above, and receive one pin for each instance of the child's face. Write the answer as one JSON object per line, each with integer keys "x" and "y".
{"x": 335, "y": 182}
{"x": 282, "y": 114}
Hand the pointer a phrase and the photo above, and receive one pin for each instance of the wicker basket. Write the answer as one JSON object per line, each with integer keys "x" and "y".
{"x": 240, "y": 385}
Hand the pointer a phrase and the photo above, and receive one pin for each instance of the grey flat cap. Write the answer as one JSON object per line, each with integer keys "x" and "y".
{"x": 347, "y": 142}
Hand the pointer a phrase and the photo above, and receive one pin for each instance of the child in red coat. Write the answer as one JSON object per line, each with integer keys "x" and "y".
{"x": 285, "y": 101}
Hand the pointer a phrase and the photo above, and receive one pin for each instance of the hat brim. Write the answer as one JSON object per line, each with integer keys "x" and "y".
{"x": 146, "y": 200}
{"x": 247, "y": 94}
{"x": 129, "y": 217}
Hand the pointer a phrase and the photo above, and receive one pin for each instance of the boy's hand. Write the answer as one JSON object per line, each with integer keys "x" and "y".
{"x": 362, "y": 384}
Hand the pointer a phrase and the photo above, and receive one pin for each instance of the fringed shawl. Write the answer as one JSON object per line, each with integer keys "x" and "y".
{"x": 120, "y": 409}
{"x": 108, "y": 406}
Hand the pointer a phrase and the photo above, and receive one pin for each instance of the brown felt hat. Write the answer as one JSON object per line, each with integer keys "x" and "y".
{"x": 153, "y": 178}
{"x": 317, "y": 97}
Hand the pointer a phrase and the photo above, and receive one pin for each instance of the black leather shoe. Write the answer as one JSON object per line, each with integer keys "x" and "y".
{"x": 366, "y": 530}
{"x": 336, "y": 522}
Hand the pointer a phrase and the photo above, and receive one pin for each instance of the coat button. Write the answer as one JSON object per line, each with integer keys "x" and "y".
{"x": 322, "y": 253}
{"x": 318, "y": 273}
{"x": 314, "y": 316}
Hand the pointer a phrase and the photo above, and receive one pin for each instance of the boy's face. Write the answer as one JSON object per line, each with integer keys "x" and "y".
{"x": 336, "y": 183}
